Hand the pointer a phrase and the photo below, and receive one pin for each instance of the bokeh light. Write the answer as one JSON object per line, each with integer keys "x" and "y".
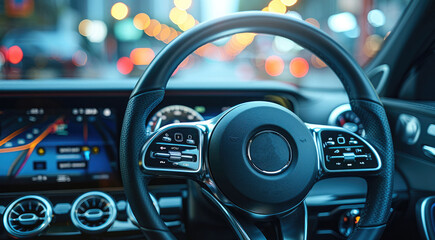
{"x": 285, "y": 45}
{"x": 164, "y": 33}
{"x": 188, "y": 23}
{"x": 274, "y": 65}
{"x": 376, "y": 18}
{"x": 313, "y": 22}
{"x": 294, "y": 14}
{"x": 299, "y": 67}
{"x": 119, "y": 11}
{"x": 342, "y": 22}
{"x": 183, "y": 4}
{"x": 84, "y": 26}
{"x": 142, "y": 56}
{"x": 154, "y": 28}
{"x": 124, "y": 65}
{"x": 96, "y": 31}
{"x": 177, "y": 15}
{"x": 372, "y": 45}
{"x": 126, "y": 31}
{"x": 79, "y": 58}
{"x": 141, "y": 21}
{"x": 277, "y": 6}
{"x": 317, "y": 62}
{"x": 244, "y": 38}
{"x": 15, "y": 54}
{"x": 289, "y": 3}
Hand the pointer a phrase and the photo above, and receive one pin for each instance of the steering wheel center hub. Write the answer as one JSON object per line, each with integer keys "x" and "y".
{"x": 262, "y": 157}
{"x": 269, "y": 152}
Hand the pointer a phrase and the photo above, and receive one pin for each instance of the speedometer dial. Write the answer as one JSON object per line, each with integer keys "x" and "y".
{"x": 344, "y": 117}
{"x": 172, "y": 114}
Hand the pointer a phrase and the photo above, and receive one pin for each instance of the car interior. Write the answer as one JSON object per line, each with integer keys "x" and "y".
{"x": 220, "y": 119}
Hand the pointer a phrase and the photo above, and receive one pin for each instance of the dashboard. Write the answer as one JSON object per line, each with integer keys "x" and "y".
{"x": 59, "y": 153}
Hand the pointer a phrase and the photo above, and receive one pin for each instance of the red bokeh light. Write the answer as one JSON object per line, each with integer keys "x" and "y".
{"x": 15, "y": 54}
{"x": 124, "y": 65}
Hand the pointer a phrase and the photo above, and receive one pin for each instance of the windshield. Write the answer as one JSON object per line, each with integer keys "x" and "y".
{"x": 117, "y": 40}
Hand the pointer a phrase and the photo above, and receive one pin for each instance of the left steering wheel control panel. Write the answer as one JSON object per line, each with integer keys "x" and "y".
{"x": 175, "y": 149}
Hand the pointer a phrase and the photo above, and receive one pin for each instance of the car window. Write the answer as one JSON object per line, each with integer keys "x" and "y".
{"x": 117, "y": 40}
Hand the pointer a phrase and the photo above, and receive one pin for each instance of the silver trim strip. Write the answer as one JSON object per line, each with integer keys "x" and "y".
{"x": 337, "y": 111}
{"x": 385, "y": 70}
{"x": 264, "y": 171}
{"x": 333, "y": 116}
{"x": 233, "y": 221}
{"x": 423, "y": 216}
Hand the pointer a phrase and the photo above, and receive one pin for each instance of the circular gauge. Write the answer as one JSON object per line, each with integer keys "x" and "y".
{"x": 172, "y": 114}
{"x": 344, "y": 117}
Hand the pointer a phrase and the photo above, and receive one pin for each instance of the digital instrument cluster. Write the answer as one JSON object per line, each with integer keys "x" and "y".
{"x": 57, "y": 145}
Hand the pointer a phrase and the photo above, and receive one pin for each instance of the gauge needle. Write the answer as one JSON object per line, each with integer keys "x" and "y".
{"x": 158, "y": 124}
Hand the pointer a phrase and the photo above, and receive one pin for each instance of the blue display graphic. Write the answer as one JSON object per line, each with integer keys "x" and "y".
{"x": 58, "y": 145}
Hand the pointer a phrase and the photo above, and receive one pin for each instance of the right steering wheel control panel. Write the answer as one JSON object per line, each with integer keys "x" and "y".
{"x": 343, "y": 151}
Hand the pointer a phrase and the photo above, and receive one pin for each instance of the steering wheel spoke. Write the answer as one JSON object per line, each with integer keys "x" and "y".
{"x": 176, "y": 150}
{"x": 291, "y": 225}
{"x": 342, "y": 152}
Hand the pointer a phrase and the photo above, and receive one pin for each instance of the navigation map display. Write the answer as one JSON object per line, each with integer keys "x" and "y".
{"x": 57, "y": 145}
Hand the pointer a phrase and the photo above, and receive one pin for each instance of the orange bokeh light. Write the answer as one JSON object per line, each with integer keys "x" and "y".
{"x": 313, "y": 22}
{"x": 154, "y": 28}
{"x": 299, "y": 67}
{"x": 317, "y": 62}
{"x": 274, "y": 65}
{"x": 141, "y": 21}
{"x": 142, "y": 56}
{"x": 164, "y": 33}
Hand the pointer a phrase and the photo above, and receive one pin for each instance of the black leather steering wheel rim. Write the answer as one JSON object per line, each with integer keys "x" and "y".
{"x": 150, "y": 88}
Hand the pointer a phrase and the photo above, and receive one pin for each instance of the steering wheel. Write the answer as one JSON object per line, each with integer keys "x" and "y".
{"x": 257, "y": 161}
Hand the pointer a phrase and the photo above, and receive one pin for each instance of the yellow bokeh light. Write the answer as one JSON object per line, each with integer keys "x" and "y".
{"x": 119, "y": 11}
{"x": 84, "y": 26}
{"x": 289, "y": 3}
{"x": 188, "y": 23}
{"x": 277, "y": 6}
{"x": 266, "y": 9}
{"x": 244, "y": 38}
{"x": 178, "y": 16}
{"x": 183, "y": 4}
{"x": 372, "y": 45}
{"x": 141, "y": 21}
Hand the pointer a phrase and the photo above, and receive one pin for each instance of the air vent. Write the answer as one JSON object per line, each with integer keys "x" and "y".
{"x": 93, "y": 212}
{"x": 27, "y": 216}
